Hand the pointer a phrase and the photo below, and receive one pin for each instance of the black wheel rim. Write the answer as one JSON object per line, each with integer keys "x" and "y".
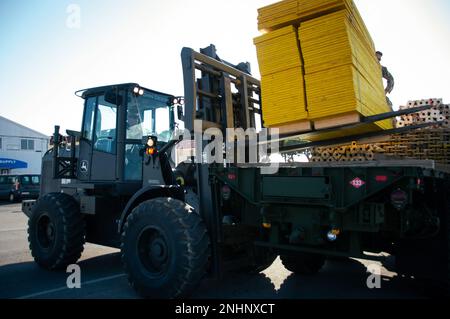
{"x": 154, "y": 253}
{"x": 46, "y": 232}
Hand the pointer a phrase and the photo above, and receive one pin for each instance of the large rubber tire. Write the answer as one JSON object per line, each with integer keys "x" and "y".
{"x": 165, "y": 249}
{"x": 303, "y": 264}
{"x": 56, "y": 231}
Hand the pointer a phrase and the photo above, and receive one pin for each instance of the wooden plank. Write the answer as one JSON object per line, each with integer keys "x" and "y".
{"x": 336, "y": 121}
{"x": 294, "y": 128}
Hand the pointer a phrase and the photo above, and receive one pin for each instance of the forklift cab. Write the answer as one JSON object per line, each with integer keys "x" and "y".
{"x": 115, "y": 121}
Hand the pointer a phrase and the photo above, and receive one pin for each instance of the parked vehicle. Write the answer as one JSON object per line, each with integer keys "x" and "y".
{"x": 6, "y": 185}
{"x": 18, "y": 187}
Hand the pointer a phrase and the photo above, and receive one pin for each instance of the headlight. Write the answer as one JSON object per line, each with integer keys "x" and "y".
{"x": 333, "y": 234}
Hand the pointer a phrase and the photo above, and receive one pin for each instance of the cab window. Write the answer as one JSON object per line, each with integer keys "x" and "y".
{"x": 149, "y": 114}
{"x": 88, "y": 123}
{"x": 105, "y": 127}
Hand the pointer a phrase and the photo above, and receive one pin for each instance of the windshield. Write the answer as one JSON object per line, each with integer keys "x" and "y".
{"x": 149, "y": 114}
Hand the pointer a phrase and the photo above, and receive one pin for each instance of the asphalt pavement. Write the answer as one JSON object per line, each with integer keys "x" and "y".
{"x": 102, "y": 276}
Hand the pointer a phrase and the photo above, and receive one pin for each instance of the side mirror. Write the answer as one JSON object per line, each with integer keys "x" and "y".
{"x": 180, "y": 112}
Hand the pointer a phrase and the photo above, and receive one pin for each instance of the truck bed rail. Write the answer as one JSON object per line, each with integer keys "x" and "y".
{"x": 424, "y": 164}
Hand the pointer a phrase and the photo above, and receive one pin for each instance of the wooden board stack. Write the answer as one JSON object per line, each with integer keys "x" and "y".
{"x": 439, "y": 113}
{"x": 340, "y": 78}
{"x": 432, "y": 143}
{"x": 343, "y": 76}
{"x": 426, "y": 144}
{"x": 293, "y": 12}
{"x": 345, "y": 153}
{"x": 281, "y": 77}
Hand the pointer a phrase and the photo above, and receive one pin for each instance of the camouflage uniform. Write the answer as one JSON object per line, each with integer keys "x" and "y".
{"x": 390, "y": 83}
{"x": 390, "y": 79}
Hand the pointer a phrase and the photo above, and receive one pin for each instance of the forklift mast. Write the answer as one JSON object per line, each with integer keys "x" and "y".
{"x": 223, "y": 96}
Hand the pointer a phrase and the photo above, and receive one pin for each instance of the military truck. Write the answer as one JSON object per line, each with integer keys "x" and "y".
{"x": 115, "y": 184}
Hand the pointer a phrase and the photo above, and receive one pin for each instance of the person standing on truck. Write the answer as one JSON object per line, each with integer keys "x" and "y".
{"x": 389, "y": 78}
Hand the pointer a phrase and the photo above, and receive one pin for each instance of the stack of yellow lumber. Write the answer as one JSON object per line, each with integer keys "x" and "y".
{"x": 342, "y": 74}
{"x": 293, "y": 12}
{"x": 277, "y": 15}
{"x": 282, "y": 77}
{"x": 337, "y": 73}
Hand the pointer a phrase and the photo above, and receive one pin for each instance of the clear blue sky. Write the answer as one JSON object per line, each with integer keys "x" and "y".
{"x": 43, "y": 61}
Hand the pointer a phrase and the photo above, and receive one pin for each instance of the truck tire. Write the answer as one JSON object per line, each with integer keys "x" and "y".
{"x": 165, "y": 249}
{"x": 303, "y": 264}
{"x": 12, "y": 198}
{"x": 56, "y": 231}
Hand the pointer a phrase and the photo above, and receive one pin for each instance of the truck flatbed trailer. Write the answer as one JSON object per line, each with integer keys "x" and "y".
{"x": 308, "y": 212}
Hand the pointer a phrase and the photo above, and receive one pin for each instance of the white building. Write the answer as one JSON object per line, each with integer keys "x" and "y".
{"x": 21, "y": 148}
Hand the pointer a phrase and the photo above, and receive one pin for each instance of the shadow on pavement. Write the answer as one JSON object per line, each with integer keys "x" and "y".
{"x": 237, "y": 286}
{"x": 342, "y": 279}
{"x": 345, "y": 280}
{"x": 337, "y": 280}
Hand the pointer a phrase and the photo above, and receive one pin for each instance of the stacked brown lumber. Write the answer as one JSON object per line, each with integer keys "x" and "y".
{"x": 344, "y": 153}
{"x": 431, "y": 143}
{"x": 439, "y": 113}
{"x": 425, "y": 144}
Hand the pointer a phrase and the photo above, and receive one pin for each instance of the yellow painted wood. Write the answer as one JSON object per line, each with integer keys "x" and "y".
{"x": 331, "y": 64}
{"x": 278, "y": 51}
{"x": 332, "y": 40}
{"x": 283, "y": 97}
{"x": 342, "y": 90}
{"x": 289, "y": 12}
